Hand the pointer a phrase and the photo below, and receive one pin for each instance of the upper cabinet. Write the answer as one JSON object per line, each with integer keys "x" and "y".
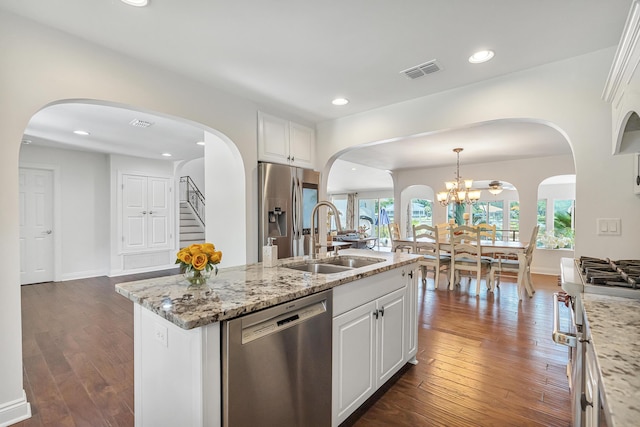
{"x": 622, "y": 88}
{"x": 283, "y": 141}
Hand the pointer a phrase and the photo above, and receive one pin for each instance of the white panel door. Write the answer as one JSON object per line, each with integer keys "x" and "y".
{"x": 391, "y": 321}
{"x": 301, "y": 145}
{"x": 353, "y": 360}
{"x": 273, "y": 138}
{"x": 158, "y": 214}
{"x": 36, "y": 225}
{"x": 134, "y": 215}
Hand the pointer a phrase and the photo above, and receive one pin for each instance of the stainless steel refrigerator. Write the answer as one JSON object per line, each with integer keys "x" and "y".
{"x": 286, "y": 198}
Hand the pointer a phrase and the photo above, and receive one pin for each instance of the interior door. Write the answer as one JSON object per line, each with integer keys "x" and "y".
{"x": 134, "y": 215}
{"x": 159, "y": 208}
{"x": 36, "y": 225}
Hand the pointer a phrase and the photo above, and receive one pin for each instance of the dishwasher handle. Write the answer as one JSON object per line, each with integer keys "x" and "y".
{"x": 564, "y": 338}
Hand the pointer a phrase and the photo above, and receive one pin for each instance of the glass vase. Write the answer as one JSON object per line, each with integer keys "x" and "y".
{"x": 199, "y": 278}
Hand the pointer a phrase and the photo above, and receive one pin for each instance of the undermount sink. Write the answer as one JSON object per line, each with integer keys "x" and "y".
{"x": 320, "y": 268}
{"x": 334, "y": 265}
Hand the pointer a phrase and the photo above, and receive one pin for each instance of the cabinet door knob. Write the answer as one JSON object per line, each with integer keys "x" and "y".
{"x": 382, "y": 312}
{"x": 411, "y": 274}
{"x": 403, "y": 273}
{"x": 293, "y": 159}
{"x": 150, "y": 212}
{"x": 143, "y": 212}
{"x": 375, "y": 313}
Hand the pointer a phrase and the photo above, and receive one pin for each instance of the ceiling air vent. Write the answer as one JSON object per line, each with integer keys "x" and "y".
{"x": 422, "y": 69}
{"x": 140, "y": 123}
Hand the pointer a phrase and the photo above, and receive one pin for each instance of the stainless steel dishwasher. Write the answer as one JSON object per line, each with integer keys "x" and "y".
{"x": 276, "y": 365}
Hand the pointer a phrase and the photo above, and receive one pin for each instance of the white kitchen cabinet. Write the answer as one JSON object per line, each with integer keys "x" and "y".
{"x": 370, "y": 334}
{"x": 284, "y": 141}
{"x": 411, "y": 343}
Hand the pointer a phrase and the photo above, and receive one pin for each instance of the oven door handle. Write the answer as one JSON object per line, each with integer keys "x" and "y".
{"x": 564, "y": 338}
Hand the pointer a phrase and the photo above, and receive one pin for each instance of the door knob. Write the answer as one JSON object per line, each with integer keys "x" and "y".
{"x": 47, "y": 232}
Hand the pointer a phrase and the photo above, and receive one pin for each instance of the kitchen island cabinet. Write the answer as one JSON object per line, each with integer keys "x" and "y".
{"x": 177, "y": 331}
{"x": 372, "y": 336}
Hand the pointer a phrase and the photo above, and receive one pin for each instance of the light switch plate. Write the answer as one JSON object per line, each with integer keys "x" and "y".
{"x": 608, "y": 226}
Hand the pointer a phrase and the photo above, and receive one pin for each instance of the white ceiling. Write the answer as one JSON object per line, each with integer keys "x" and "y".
{"x": 111, "y": 132}
{"x": 295, "y": 55}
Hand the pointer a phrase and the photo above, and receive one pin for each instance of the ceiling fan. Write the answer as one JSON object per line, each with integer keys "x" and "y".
{"x": 494, "y": 187}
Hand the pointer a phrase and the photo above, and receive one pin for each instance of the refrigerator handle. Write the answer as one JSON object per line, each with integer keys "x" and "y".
{"x": 294, "y": 207}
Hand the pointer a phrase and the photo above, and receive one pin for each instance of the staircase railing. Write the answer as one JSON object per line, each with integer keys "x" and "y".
{"x": 190, "y": 193}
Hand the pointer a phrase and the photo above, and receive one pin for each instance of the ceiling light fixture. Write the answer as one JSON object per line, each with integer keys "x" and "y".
{"x": 166, "y": 154}
{"x": 340, "y": 101}
{"x": 455, "y": 192}
{"x": 81, "y": 132}
{"x": 136, "y": 3}
{"x": 200, "y": 143}
{"x": 495, "y": 188}
{"x": 481, "y": 56}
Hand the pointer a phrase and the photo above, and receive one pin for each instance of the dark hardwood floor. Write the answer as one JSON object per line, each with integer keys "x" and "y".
{"x": 486, "y": 361}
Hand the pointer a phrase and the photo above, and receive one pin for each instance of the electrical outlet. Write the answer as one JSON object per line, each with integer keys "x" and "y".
{"x": 160, "y": 333}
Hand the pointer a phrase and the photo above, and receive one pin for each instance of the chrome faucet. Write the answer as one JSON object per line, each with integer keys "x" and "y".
{"x": 313, "y": 246}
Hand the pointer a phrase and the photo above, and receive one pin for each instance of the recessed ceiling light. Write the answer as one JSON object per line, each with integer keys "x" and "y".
{"x": 481, "y": 56}
{"x": 81, "y": 132}
{"x": 166, "y": 154}
{"x": 353, "y": 169}
{"x": 137, "y": 3}
{"x": 340, "y": 101}
{"x": 200, "y": 142}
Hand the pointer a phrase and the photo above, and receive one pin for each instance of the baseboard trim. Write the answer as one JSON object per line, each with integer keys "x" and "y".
{"x": 15, "y": 411}
{"x": 118, "y": 273}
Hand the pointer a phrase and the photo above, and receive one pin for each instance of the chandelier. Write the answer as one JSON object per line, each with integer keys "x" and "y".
{"x": 458, "y": 191}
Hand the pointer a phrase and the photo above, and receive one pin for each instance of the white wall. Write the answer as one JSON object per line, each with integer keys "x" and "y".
{"x": 83, "y": 204}
{"x": 195, "y": 170}
{"x": 565, "y": 95}
{"x": 75, "y": 69}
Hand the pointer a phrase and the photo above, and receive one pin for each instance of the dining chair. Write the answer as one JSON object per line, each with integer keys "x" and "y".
{"x": 487, "y": 231}
{"x": 507, "y": 265}
{"x": 394, "y": 235}
{"x": 426, "y": 240}
{"x": 466, "y": 255}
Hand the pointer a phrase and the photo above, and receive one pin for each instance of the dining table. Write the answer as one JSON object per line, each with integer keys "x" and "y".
{"x": 488, "y": 248}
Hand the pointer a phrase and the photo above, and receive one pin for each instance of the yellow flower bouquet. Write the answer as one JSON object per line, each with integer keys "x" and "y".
{"x": 198, "y": 261}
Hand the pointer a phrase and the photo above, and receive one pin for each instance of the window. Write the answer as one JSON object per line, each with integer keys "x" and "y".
{"x": 556, "y": 212}
{"x": 512, "y": 233}
{"x": 373, "y": 216}
{"x": 421, "y": 212}
{"x": 542, "y": 218}
{"x": 563, "y": 225}
{"x": 341, "y": 204}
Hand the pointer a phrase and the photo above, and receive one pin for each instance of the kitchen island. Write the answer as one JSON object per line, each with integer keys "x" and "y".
{"x": 177, "y": 330}
{"x": 614, "y": 370}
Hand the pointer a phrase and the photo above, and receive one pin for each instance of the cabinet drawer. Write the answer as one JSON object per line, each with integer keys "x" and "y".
{"x": 351, "y": 295}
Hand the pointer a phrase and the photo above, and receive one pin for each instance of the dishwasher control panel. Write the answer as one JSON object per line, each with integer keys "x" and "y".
{"x": 281, "y": 322}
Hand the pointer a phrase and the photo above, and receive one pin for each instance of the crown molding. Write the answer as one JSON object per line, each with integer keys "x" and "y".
{"x": 622, "y": 63}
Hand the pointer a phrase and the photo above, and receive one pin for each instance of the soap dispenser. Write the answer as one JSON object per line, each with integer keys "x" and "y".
{"x": 270, "y": 253}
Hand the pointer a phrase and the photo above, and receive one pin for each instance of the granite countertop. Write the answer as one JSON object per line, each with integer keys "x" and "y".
{"x": 240, "y": 290}
{"x": 615, "y": 334}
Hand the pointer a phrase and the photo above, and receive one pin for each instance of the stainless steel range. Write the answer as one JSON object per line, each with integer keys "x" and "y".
{"x": 588, "y": 275}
